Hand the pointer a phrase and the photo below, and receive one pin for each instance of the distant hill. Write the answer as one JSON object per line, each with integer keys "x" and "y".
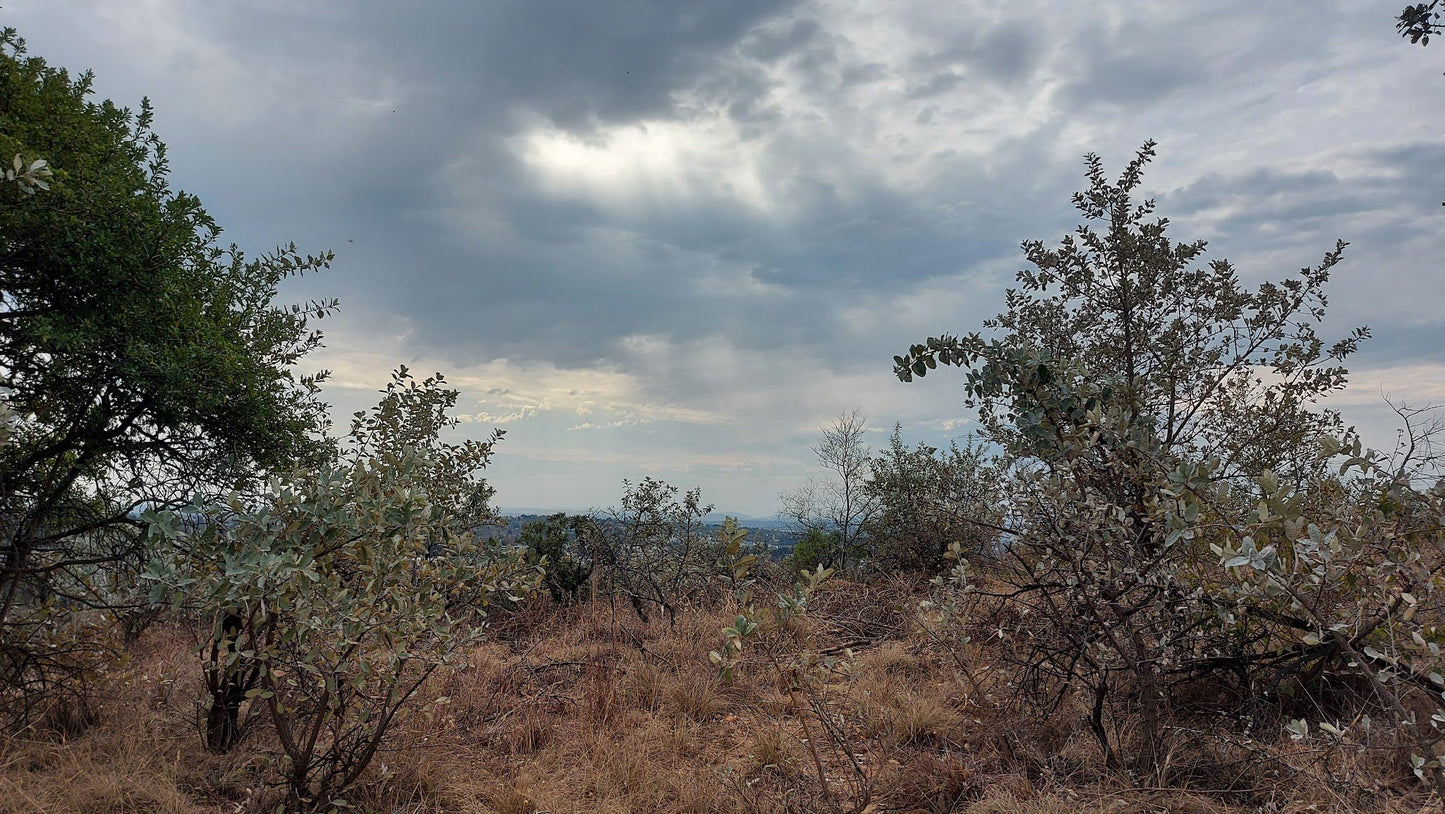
{"x": 751, "y": 521}
{"x": 772, "y": 532}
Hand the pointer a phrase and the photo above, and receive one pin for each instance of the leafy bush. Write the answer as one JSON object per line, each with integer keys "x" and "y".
{"x": 1144, "y": 403}
{"x": 928, "y": 499}
{"x": 1351, "y": 586}
{"x": 335, "y": 598}
{"x": 652, "y": 549}
{"x": 815, "y": 548}
{"x": 562, "y": 546}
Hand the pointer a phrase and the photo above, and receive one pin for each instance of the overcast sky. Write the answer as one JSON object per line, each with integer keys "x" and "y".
{"x": 674, "y": 238}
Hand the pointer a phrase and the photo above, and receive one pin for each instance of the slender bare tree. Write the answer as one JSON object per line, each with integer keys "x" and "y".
{"x": 839, "y": 502}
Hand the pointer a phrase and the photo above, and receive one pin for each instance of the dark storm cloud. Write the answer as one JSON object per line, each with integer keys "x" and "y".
{"x": 1132, "y": 79}
{"x": 464, "y": 79}
{"x": 1009, "y": 52}
{"x": 577, "y": 63}
{"x": 1135, "y": 61}
{"x": 754, "y": 204}
{"x": 1381, "y": 202}
{"x": 461, "y": 83}
{"x": 1395, "y": 343}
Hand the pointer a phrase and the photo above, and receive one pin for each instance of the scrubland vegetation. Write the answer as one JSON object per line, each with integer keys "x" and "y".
{"x": 585, "y": 709}
{"x": 1162, "y": 578}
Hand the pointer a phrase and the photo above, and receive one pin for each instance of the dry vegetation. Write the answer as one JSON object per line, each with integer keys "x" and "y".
{"x": 587, "y": 710}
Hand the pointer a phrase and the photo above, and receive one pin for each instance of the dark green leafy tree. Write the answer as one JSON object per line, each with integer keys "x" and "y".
{"x": 813, "y": 549}
{"x": 141, "y": 362}
{"x": 562, "y": 545}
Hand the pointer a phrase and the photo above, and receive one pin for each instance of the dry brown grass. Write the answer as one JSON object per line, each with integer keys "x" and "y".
{"x": 132, "y": 760}
{"x": 695, "y": 697}
{"x": 585, "y": 710}
{"x": 912, "y": 718}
